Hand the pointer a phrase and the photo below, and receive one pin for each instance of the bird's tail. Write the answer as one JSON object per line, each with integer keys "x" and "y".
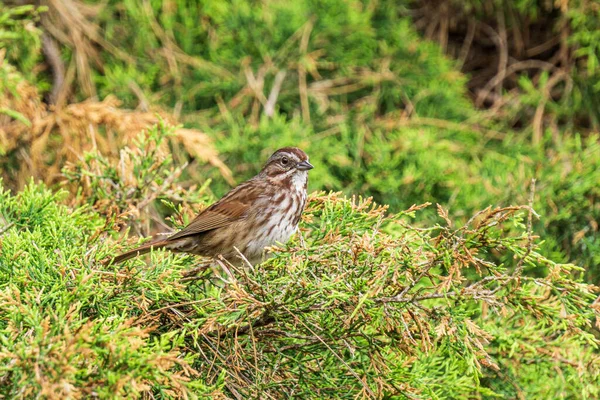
{"x": 137, "y": 252}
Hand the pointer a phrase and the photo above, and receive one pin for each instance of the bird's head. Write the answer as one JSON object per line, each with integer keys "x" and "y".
{"x": 287, "y": 164}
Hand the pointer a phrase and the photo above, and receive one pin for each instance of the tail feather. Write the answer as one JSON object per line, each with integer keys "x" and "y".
{"x": 137, "y": 252}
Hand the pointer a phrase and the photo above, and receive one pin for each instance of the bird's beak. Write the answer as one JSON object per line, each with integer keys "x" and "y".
{"x": 304, "y": 166}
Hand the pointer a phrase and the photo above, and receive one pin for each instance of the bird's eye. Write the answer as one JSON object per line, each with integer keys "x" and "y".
{"x": 284, "y": 160}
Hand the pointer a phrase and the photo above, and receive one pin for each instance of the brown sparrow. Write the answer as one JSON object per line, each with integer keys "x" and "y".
{"x": 257, "y": 213}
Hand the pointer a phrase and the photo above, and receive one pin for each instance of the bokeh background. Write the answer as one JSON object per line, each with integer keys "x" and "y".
{"x": 460, "y": 103}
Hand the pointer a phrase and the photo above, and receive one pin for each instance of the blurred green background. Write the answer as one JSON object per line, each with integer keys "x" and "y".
{"x": 460, "y": 103}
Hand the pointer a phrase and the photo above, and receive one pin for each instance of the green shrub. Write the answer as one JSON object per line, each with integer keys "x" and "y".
{"x": 21, "y": 38}
{"x": 364, "y": 305}
{"x": 348, "y": 51}
{"x": 140, "y": 187}
{"x": 457, "y": 168}
{"x": 381, "y": 111}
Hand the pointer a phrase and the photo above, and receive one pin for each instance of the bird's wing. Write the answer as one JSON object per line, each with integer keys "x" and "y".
{"x": 234, "y": 206}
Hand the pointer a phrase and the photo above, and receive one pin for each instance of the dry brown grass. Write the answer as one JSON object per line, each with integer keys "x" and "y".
{"x": 41, "y": 142}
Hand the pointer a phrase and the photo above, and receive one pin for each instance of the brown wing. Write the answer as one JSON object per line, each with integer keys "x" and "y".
{"x": 232, "y": 207}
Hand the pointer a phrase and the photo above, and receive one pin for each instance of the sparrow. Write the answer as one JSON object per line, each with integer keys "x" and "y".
{"x": 258, "y": 213}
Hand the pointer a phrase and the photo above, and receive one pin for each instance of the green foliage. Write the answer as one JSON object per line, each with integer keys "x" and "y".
{"x": 583, "y": 17}
{"x": 392, "y": 122}
{"x": 20, "y": 38}
{"x": 365, "y": 305}
{"x": 65, "y": 326}
{"x": 380, "y": 111}
{"x": 338, "y": 43}
{"x": 569, "y": 197}
{"x": 559, "y": 65}
{"x": 142, "y": 183}
{"x": 455, "y": 168}
{"x": 19, "y": 53}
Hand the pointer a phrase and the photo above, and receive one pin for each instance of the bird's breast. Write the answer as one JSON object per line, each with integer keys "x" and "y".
{"x": 277, "y": 221}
